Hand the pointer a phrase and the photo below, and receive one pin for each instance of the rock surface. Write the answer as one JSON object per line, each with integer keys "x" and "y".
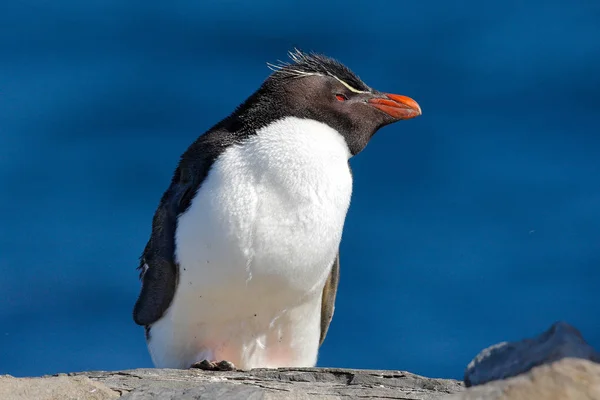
{"x": 55, "y": 387}
{"x": 166, "y": 384}
{"x": 568, "y": 379}
{"x": 505, "y": 360}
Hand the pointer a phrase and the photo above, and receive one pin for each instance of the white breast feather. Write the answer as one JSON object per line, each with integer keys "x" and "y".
{"x": 255, "y": 248}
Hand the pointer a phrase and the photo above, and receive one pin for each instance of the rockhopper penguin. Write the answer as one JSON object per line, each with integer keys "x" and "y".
{"x": 242, "y": 265}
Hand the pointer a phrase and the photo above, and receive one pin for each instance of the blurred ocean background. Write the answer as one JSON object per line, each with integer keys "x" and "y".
{"x": 476, "y": 223}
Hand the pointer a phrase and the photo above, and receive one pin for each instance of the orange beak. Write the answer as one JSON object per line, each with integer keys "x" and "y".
{"x": 397, "y": 106}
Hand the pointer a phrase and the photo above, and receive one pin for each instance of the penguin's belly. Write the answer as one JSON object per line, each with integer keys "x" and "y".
{"x": 254, "y": 250}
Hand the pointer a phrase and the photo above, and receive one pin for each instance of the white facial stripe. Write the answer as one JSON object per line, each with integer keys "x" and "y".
{"x": 350, "y": 88}
{"x": 280, "y": 67}
{"x": 302, "y": 72}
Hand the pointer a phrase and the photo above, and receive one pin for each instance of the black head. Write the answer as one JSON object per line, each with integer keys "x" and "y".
{"x": 320, "y": 88}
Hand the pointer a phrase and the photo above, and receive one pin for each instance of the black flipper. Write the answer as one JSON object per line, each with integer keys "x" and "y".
{"x": 159, "y": 272}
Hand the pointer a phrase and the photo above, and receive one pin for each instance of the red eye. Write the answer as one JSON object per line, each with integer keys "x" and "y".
{"x": 341, "y": 97}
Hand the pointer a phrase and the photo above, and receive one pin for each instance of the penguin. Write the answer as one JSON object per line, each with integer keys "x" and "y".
{"x": 242, "y": 266}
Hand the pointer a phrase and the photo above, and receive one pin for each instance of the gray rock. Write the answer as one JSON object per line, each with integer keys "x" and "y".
{"x": 288, "y": 383}
{"x": 52, "y": 388}
{"x": 505, "y": 360}
{"x": 567, "y": 379}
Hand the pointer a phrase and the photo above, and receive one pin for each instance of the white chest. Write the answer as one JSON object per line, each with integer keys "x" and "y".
{"x": 270, "y": 215}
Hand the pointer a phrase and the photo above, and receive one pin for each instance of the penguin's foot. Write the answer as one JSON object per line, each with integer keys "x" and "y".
{"x": 214, "y": 365}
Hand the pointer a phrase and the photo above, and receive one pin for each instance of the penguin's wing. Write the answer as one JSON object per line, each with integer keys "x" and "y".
{"x": 158, "y": 269}
{"x": 328, "y": 299}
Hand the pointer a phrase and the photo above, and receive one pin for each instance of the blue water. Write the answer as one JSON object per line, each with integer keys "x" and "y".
{"x": 475, "y": 223}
